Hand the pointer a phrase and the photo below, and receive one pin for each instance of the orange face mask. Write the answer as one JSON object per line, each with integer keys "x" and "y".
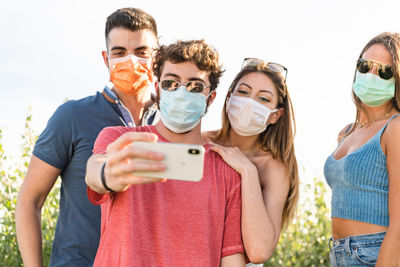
{"x": 130, "y": 74}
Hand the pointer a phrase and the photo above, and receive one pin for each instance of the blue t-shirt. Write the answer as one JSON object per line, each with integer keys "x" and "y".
{"x": 67, "y": 143}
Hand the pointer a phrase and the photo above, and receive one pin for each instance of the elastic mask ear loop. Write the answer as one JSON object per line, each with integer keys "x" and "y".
{"x": 205, "y": 111}
{"x": 209, "y": 94}
{"x": 273, "y": 111}
{"x": 229, "y": 95}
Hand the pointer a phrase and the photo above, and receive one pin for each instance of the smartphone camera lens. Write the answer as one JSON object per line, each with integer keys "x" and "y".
{"x": 194, "y": 151}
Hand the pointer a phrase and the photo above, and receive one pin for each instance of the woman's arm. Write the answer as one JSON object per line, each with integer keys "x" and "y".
{"x": 261, "y": 209}
{"x": 389, "y": 254}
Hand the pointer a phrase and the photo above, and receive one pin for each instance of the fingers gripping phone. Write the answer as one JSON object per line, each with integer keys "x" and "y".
{"x": 182, "y": 161}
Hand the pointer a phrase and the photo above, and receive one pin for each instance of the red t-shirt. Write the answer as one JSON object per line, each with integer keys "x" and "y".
{"x": 175, "y": 223}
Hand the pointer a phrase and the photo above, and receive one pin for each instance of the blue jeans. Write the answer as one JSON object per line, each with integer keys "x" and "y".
{"x": 358, "y": 250}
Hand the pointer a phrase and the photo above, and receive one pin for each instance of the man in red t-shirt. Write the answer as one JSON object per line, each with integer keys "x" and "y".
{"x": 153, "y": 222}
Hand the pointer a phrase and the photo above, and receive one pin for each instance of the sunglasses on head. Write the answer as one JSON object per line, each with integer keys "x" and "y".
{"x": 384, "y": 71}
{"x": 273, "y": 67}
{"x": 191, "y": 86}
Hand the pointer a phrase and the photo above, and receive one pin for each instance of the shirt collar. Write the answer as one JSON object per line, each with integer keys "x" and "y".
{"x": 110, "y": 93}
{"x": 150, "y": 117}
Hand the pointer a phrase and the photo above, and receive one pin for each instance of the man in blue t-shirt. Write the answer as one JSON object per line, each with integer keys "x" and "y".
{"x": 65, "y": 145}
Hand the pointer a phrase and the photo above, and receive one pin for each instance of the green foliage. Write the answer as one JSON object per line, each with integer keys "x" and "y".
{"x": 305, "y": 241}
{"x": 11, "y": 177}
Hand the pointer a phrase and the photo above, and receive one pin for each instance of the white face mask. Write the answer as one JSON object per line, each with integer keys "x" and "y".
{"x": 247, "y": 116}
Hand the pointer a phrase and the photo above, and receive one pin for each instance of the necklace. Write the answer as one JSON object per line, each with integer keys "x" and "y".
{"x": 362, "y": 124}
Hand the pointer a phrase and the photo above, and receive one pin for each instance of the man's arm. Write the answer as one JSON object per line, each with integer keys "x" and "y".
{"x": 93, "y": 168}
{"x": 235, "y": 260}
{"x": 39, "y": 180}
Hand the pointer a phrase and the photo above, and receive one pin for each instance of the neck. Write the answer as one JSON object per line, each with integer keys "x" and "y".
{"x": 368, "y": 114}
{"x": 136, "y": 104}
{"x": 191, "y": 137}
{"x": 247, "y": 144}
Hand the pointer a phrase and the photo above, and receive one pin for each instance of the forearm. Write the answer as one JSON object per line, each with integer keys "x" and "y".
{"x": 235, "y": 260}
{"x": 93, "y": 168}
{"x": 259, "y": 236}
{"x": 29, "y": 235}
{"x": 389, "y": 253}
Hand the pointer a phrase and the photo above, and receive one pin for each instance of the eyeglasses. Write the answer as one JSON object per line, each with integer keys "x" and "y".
{"x": 384, "y": 71}
{"x": 191, "y": 86}
{"x": 274, "y": 67}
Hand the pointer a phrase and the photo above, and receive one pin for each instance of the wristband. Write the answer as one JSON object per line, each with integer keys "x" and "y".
{"x": 103, "y": 178}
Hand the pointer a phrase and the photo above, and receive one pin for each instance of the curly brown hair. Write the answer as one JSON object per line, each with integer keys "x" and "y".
{"x": 204, "y": 56}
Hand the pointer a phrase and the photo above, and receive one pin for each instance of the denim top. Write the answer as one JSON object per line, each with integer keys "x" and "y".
{"x": 360, "y": 183}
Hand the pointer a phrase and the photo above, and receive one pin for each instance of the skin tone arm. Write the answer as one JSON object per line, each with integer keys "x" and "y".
{"x": 121, "y": 162}
{"x": 39, "y": 180}
{"x": 261, "y": 208}
{"x": 235, "y": 260}
{"x": 389, "y": 254}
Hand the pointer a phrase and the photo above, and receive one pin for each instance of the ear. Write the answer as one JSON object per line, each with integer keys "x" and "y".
{"x": 228, "y": 95}
{"x": 274, "y": 117}
{"x": 105, "y": 57}
{"x": 211, "y": 97}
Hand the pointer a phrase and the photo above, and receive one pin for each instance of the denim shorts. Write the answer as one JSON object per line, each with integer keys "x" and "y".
{"x": 358, "y": 250}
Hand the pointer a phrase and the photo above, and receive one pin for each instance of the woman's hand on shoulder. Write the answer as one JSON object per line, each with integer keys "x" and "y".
{"x": 234, "y": 158}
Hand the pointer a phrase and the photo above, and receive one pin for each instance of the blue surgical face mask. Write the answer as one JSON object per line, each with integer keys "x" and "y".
{"x": 372, "y": 89}
{"x": 181, "y": 110}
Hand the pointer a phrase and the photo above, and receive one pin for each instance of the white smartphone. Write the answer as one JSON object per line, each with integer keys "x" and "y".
{"x": 182, "y": 161}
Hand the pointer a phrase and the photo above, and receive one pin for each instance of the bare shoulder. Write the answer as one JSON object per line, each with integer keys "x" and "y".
{"x": 394, "y": 124}
{"x": 269, "y": 168}
{"x": 343, "y": 132}
{"x": 211, "y": 136}
{"x": 391, "y": 135}
{"x": 212, "y": 133}
{"x": 206, "y": 136}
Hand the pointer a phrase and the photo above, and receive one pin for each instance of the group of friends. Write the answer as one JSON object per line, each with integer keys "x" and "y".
{"x": 234, "y": 215}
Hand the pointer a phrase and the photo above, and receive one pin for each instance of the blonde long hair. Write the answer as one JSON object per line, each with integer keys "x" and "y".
{"x": 277, "y": 138}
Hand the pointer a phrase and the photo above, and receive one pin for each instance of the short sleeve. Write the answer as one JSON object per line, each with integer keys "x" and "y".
{"x": 96, "y": 198}
{"x": 232, "y": 242}
{"x": 54, "y": 145}
{"x": 106, "y": 137}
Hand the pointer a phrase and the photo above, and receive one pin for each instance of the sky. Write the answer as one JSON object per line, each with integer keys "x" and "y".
{"x": 51, "y": 51}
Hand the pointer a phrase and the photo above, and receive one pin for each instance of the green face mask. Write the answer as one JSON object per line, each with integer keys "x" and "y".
{"x": 372, "y": 89}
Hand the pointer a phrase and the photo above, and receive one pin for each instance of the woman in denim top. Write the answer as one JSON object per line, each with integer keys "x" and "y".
{"x": 364, "y": 171}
